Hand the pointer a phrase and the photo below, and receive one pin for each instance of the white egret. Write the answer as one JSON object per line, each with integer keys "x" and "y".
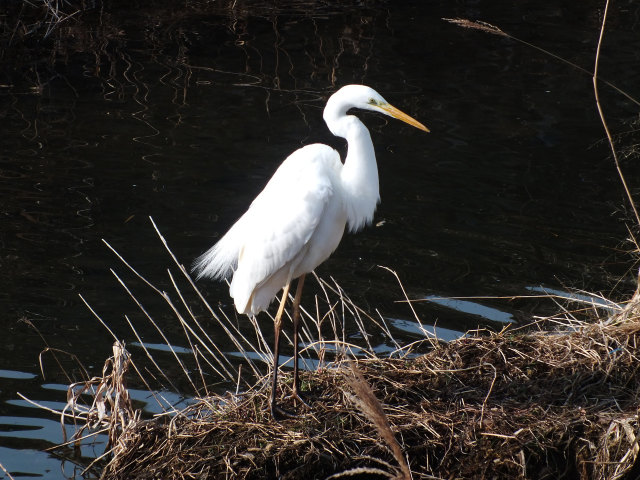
{"x": 297, "y": 221}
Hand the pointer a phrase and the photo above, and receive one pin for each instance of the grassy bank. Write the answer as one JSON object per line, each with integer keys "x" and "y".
{"x": 559, "y": 400}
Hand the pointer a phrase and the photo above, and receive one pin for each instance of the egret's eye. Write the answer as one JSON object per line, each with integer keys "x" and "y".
{"x": 373, "y": 101}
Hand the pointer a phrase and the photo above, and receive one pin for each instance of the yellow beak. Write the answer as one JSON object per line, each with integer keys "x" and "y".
{"x": 400, "y": 115}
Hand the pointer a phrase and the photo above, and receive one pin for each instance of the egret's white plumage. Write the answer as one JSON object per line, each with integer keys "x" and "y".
{"x": 297, "y": 221}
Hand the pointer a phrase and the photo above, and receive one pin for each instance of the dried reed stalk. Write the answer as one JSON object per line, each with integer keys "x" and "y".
{"x": 369, "y": 404}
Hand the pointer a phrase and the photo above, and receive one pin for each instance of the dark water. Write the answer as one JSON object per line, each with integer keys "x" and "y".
{"x": 182, "y": 113}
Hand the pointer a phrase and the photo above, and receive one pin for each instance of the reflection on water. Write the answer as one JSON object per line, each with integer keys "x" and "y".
{"x": 163, "y": 347}
{"x": 472, "y": 308}
{"x": 599, "y": 302}
{"x": 417, "y": 330}
{"x": 184, "y": 112}
{"x": 16, "y": 375}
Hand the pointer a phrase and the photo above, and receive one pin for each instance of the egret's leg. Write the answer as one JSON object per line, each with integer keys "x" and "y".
{"x": 296, "y": 320}
{"x": 276, "y": 411}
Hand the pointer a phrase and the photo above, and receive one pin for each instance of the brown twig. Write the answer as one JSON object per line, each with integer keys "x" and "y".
{"x": 602, "y": 119}
{"x": 492, "y": 29}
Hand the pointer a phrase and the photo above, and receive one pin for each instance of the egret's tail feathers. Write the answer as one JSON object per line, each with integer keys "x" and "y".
{"x": 217, "y": 263}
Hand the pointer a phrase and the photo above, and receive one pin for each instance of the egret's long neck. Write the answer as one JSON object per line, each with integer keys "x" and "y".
{"x": 359, "y": 174}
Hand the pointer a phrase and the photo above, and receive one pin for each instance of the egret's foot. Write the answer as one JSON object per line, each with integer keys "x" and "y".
{"x": 278, "y": 413}
{"x": 298, "y": 397}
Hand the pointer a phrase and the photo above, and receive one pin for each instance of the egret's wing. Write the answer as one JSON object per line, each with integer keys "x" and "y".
{"x": 282, "y": 219}
{"x": 278, "y": 223}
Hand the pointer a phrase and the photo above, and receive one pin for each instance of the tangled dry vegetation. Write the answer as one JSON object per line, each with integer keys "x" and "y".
{"x": 555, "y": 399}
{"x": 547, "y": 403}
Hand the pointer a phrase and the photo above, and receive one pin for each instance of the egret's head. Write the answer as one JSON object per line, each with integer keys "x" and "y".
{"x": 366, "y": 98}
{"x": 363, "y": 97}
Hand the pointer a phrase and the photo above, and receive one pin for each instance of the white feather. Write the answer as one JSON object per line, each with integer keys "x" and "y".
{"x": 298, "y": 219}
{"x": 264, "y": 246}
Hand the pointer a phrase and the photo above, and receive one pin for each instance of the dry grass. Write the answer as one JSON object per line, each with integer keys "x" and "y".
{"x": 558, "y": 399}
{"x": 558, "y": 403}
